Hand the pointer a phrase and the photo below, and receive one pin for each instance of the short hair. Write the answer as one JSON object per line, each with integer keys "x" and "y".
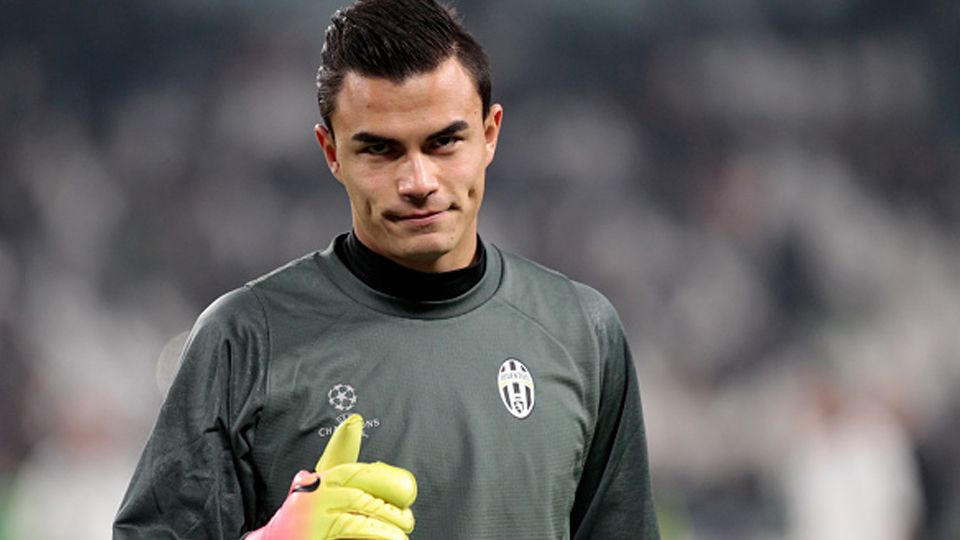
{"x": 395, "y": 39}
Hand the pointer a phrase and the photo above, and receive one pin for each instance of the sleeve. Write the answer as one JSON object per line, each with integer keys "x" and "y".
{"x": 195, "y": 478}
{"x": 614, "y": 498}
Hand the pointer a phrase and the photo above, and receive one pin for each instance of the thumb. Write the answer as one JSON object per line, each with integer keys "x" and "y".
{"x": 344, "y": 445}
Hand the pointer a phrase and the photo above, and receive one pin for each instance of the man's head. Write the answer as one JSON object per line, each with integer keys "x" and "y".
{"x": 394, "y": 39}
{"x": 408, "y": 129}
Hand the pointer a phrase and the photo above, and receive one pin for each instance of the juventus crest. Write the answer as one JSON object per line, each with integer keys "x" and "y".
{"x": 515, "y": 383}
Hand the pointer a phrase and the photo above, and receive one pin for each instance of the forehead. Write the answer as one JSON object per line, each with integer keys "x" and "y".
{"x": 417, "y": 105}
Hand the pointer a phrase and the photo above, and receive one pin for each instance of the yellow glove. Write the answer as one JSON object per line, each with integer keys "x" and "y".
{"x": 345, "y": 499}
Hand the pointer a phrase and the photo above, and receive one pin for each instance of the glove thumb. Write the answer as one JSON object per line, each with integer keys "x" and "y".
{"x": 344, "y": 444}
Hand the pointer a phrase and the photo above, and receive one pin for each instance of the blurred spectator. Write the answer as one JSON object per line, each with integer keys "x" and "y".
{"x": 71, "y": 485}
{"x": 15, "y": 440}
{"x": 851, "y": 473}
{"x": 938, "y": 451}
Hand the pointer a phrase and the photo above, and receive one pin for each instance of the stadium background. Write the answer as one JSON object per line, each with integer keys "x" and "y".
{"x": 768, "y": 190}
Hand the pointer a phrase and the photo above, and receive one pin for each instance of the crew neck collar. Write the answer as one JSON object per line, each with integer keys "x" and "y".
{"x": 390, "y": 278}
{"x": 333, "y": 266}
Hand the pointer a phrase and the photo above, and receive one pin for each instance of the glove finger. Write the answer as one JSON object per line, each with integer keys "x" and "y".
{"x": 353, "y": 501}
{"x": 392, "y": 484}
{"x": 354, "y": 526}
{"x": 344, "y": 444}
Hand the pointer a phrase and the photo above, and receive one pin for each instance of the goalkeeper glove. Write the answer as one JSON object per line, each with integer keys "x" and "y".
{"x": 343, "y": 498}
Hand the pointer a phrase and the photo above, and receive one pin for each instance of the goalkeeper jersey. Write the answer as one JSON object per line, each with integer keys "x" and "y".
{"x": 515, "y": 405}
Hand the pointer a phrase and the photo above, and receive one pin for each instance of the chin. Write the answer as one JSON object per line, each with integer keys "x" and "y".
{"x": 426, "y": 249}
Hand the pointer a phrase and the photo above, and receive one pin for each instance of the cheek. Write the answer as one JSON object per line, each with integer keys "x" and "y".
{"x": 476, "y": 194}
{"x": 469, "y": 174}
{"x": 366, "y": 189}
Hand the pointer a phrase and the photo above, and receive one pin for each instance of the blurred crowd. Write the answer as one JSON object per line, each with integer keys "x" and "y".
{"x": 768, "y": 191}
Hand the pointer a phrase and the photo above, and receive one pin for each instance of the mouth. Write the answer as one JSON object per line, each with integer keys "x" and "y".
{"x": 416, "y": 218}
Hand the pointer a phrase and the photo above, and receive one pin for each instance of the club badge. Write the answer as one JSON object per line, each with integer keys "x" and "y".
{"x": 515, "y": 384}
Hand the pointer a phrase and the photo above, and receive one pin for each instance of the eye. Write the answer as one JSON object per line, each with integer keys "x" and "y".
{"x": 377, "y": 149}
{"x": 445, "y": 142}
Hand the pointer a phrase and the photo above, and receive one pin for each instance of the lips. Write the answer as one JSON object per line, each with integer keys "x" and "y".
{"x": 423, "y": 216}
{"x": 419, "y": 219}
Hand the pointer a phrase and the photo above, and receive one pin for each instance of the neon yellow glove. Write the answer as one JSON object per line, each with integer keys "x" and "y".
{"x": 343, "y": 498}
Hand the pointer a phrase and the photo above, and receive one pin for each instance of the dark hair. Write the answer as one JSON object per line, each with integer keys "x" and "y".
{"x": 395, "y": 39}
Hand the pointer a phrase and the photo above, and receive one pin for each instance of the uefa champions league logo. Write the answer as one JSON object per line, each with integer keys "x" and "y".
{"x": 343, "y": 397}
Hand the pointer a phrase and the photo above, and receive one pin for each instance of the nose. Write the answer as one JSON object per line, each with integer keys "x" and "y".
{"x": 417, "y": 179}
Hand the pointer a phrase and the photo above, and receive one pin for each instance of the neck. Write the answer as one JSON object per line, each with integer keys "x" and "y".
{"x": 402, "y": 281}
{"x": 461, "y": 257}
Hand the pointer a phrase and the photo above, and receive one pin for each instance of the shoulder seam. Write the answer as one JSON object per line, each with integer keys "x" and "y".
{"x": 280, "y": 269}
{"x": 538, "y": 324}
{"x": 533, "y": 265}
{"x": 269, "y": 348}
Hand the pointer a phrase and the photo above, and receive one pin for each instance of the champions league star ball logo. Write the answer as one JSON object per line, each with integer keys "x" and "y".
{"x": 342, "y": 396}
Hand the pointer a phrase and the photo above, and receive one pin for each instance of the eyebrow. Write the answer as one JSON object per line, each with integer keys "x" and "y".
{"x": 371, "y": 138}
{"x": 454, "y": 127}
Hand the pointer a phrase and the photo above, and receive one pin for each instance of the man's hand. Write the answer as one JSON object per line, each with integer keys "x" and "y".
{"x": 343, "y": 498}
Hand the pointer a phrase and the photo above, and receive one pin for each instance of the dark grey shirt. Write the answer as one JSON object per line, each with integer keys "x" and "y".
{"x": 515, "y": 405}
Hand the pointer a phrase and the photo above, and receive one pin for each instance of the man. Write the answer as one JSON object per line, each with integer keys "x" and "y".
{"x": 502, "y": 394}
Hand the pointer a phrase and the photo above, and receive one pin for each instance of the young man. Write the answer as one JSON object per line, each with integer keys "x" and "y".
{"x": 502, "y": 394}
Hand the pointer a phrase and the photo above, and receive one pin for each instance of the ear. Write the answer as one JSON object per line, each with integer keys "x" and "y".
{"x": 491, "y": 130}
{"x": 329, "y": 147}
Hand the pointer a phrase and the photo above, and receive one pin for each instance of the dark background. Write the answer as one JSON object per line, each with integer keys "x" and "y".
{"x": 768, "y": 191}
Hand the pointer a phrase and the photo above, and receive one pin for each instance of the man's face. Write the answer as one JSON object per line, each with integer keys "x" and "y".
{"x": 412, "y": 157}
